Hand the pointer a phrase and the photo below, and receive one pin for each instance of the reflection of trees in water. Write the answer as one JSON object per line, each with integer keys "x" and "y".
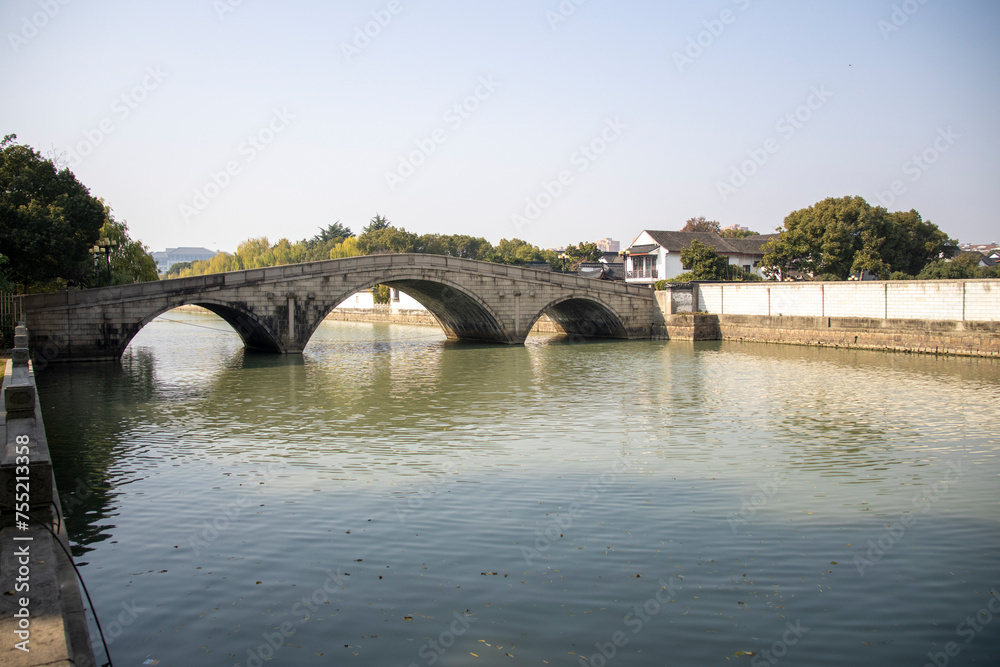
{"x": 87, "y": 410}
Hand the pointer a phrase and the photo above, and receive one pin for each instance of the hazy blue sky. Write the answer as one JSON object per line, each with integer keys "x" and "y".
{"x": 208, "y": 122}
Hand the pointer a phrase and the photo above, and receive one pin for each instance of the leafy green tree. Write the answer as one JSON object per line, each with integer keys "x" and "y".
{"x": 910, "y": 243}
{"x": 252, "y": 253}
{"x": 375, "y": 224}
{"x": 964, "y": 266}
{"x": 381, "y": 294}
{"x": 737, "y": 233}
{"x": 335, "y": 232}
{"x": 828, "y": 236}
{"x": 387, "y": 239}
{"x": 584, "y": 252}
{"x": 321, "y": 245}
{"x": 130, "y": 260}
{"x": 703, "y": 263}
{"x": 48, "y": 219}
{"x": 455, "y": 245}
{"x": 346, "y": 248}
{"x": 177, "y": 269}
{"x": 700, "y": 224}
{"x": 519, "y": 252}
{"x": 5, "y": 284}
{"x": 868, "y": 258}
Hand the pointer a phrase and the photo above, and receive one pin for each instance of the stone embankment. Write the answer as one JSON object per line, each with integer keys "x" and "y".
{"x": 958, "y": 317}
{"x": 42, "y": 620}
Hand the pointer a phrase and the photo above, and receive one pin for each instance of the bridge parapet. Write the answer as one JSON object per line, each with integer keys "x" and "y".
{"x": 277, "y": 309}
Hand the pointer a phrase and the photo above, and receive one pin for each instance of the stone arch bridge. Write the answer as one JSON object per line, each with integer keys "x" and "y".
{"x": 277, "y": 309}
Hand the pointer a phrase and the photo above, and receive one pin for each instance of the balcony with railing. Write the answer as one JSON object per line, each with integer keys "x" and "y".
{"x": 643, "y": 274}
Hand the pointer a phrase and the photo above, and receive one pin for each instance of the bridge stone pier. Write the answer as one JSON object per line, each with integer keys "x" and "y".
{"x": 277, "y": 309}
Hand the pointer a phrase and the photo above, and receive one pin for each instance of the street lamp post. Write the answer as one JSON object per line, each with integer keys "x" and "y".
{"x": 96, "y": 252}
{"x": 624, "y": 255}
{"x": 104, "y": 246}
{"x": 563, "y": 256}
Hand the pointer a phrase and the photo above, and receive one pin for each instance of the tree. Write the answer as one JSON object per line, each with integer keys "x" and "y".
{"x": 335, "y": 233}
{"x": 252, "y": 253}
{"x": 738, "y": 233}
{"x": 519, "y": 252}
{"x": 700, "y": 224}
{"x": 964, "y": 266}
{"x": 381, "y": 294}
{"x": 376, "y": 223}
{"x": 703, "y": 263}
{"x": 585, "y": 252}
{"x": 868, "y": 258}
{"x": 177, "y": 269}
{"x": 5, "y": 284}
{"x": 828, "y": 236}
{"x": 130, "y": 260}
{"x": 910, "y": 242}
{"x": 455, "y": 245}
{"x": 387, "y": 239}
{"x": 48, "y": 219}
{"x": 346, "y": 248}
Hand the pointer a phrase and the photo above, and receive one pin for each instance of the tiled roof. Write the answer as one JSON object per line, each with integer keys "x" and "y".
{"x": 676, "y": 241}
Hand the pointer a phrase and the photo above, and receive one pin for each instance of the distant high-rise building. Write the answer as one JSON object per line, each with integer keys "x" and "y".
{"x": 609, "y": 245}
{"x": 737, "y": 228}
{"x": 169, "y": 257}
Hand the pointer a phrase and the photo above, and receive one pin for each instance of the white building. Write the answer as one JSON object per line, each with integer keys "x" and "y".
{"x": 167, "y": 258}
{"x": 656, "y": 255}
{"x": 365, "y": 300}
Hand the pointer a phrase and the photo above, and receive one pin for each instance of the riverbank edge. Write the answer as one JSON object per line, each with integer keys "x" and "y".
{"x": 967, "y": 339}
{"x": 49, "y": 593}
{"x": 415, "y": 317}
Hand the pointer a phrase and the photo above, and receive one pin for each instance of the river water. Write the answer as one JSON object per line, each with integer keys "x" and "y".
{"x": 391, "y": 498}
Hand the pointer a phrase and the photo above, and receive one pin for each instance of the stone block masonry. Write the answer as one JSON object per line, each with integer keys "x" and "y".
{"x": 277, "y": 309}
{"x": 975, "y": 339}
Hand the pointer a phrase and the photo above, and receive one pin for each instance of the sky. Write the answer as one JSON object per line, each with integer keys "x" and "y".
{"x": 208, "y": 122}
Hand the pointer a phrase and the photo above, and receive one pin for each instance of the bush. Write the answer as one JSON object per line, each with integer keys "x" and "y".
{"x": 682, "y": 278}
{"x": 827, "y": 277}
{"x": 900, "y": 275}
{"x": 660, "y": 285}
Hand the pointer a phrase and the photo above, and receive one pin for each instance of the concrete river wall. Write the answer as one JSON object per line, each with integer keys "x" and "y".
{"x": 960, "y": 317}
{"x": 42, "y": 620}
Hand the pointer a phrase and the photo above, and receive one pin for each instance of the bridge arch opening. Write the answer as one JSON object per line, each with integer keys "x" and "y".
{"x": 461, "y": 315}
{"x": 586, "y": 318}
{"x": 253, "y": 333}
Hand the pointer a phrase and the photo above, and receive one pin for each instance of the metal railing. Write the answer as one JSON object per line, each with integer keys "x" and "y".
{"x": 10, "y": 315}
